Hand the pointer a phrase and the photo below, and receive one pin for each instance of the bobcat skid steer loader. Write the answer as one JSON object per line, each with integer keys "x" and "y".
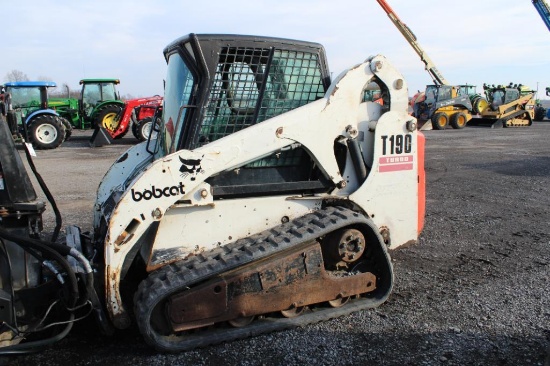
{"x": 268, "y": 200}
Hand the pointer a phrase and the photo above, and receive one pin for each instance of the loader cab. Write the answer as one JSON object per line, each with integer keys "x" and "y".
{"x": 467, "y": 90}
{"x": 499, "y": 95}
{"x": 506, "y": 96}
{"x": 26, "y": 98}
{"x": 29, "y": 96}
{"x": 445, "y": 92}
{"x": 424, "y": 108}
{"x": 442, "y": 93}
{"x": 431, "y": 94}
{"x": 95, "y": 92}
{"x": 220, "y": 84}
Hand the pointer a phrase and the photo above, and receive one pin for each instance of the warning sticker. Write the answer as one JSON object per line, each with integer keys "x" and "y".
{"x": 395, "y": 163}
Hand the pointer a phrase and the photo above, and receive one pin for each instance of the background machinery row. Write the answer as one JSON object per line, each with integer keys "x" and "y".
{"x": 443, "y": 104}
{"x": 47, "y": 122}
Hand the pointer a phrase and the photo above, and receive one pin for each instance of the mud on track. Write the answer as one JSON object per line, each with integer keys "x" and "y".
{"x": 473, "y": 291}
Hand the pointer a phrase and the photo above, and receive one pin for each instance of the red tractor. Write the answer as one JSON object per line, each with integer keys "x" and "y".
{"x": 144, "y": 111}
{"x": 100, "y": 105}
{"x": 143, "y": 124}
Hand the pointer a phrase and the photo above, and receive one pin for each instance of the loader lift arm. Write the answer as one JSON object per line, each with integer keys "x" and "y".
{"x": 544, "y": 11}
{"x": 436, "y": 76}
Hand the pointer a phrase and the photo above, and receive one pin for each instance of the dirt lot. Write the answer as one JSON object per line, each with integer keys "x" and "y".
{"x": 473, "y": 291}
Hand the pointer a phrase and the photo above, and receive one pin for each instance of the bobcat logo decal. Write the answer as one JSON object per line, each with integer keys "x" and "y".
{"x": 190, "y": 167}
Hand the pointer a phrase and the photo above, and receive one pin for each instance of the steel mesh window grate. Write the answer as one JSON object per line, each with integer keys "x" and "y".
{"x": 252, "y": 85}
{"x": 294, "y": 80}
{"x": 235, "y": 92}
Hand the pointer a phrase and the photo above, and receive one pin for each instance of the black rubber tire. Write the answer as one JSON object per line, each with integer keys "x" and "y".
{"x": 134, "y": 130}
{"x": 540, "y": 113}
{"x": 479, "y": 105}
{"x": 68, "y": 128}
{"x": 104, "y": 115}
{"x": 458, "y": 120}
{"x": 46, "y": 131}
{"x": 440, "y": 120}
{"x": 144, "y": 128}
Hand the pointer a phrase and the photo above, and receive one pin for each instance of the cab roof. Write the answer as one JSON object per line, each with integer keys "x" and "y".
{"x": 30, "y": 84}
{"x": 89, "y": 81}
{"x": 235, "y": 39}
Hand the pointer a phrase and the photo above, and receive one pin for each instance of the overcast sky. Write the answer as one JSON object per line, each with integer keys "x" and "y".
{"x": 470, "y": 41}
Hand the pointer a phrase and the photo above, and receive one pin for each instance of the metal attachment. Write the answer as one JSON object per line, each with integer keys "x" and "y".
{"x": 399, "y": 84}
{"x": 378, "y": 66}
{"x": 385, "y": 232}
{"x": 352, "y": 131}
{"x": 411, "y": 126}
{"x": 279, "y": 132}
{"x": 204, "y": 193}
{"x": 157, "y": 213}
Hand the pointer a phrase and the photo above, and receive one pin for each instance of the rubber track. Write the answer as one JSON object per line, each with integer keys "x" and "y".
{"x": 179, "y": 276}
{"x": 514, "y": 115}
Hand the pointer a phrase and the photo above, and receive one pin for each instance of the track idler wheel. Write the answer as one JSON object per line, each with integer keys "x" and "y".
{"x": 343, "y": 247}
{"x": 293, "y": 311}
{"x": 241, "y": 322}
{"x": 339, "y": 301}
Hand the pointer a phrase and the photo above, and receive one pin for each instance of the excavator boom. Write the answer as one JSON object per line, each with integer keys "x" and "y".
{"x": 436, "y": 76}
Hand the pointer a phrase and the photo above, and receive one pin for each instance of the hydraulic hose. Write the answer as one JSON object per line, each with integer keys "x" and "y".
{"x": 53, "y": 251}
{"x": 36, "y": 346}
{"x": 97, "y": 306}
{"x": 57, "y": 253}
{"x": 44, "y": 187}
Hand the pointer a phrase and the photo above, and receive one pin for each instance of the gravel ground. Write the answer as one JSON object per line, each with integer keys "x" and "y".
{"x": 473, "y": 291}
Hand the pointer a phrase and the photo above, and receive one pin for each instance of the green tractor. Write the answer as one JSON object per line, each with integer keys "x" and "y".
{"x": 30, "y": 115}
{"x": 99, "y": 105}
{"x": 478, "y": 101}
